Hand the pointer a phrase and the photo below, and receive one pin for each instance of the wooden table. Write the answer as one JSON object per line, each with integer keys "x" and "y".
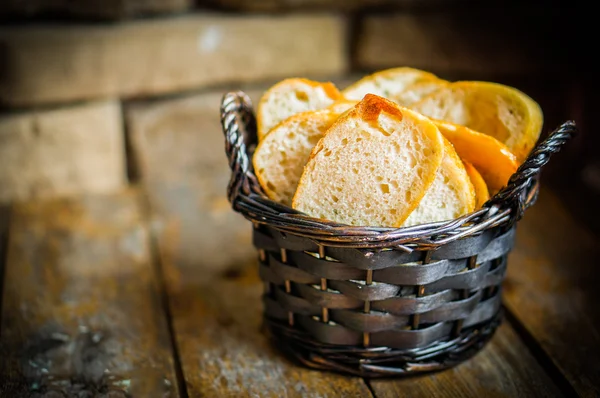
{"x": 97, "y": 305}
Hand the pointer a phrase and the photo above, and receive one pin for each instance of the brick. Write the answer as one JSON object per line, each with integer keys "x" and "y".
{"x": 466, "y": 44}
{"x": 62, "y": 152}
{"x": 91, "y": 9}
{"x": 179, "y": 148}
{"x": 64, "y": 63}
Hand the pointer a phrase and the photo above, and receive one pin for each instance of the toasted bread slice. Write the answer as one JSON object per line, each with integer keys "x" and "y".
{"x": 492, "y": 159}
{"x": 419, "y": 90}
{"x": 504, "y": 112}
{"x": 291, "y": 96}
{"x": 280, "y": 157}
{"x": 482, "y": 193}
{"x": 387, "y": 83}
{"x": 372, "y": 167}
{"x": 450, "y": 196}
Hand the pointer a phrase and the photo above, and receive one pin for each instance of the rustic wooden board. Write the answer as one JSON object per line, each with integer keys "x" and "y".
{"x": 504, "y": 368}
{"x": 552, "y": 288}
{"x": 224, "y": 353}
{"x": 187, "y": 191}
{"x": 82, "y": 313}
{"x": 4, "y": 217}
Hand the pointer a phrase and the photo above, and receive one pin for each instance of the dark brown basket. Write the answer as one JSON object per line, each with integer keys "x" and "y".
{"x": 379, "y": 301}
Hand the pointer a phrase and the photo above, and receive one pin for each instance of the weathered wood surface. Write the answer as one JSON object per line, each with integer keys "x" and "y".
{"x": 224, "y": 353}
{"x": 82, "y": 314}
{"x": 178, "y": 147}
{"x": 552, "y": 288}
{"x": 504, "y": 368}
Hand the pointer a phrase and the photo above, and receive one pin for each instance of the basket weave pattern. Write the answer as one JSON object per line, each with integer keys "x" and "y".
{"x": 379, "y": 301}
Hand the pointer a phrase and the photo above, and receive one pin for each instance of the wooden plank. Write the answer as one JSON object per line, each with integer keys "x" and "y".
{"x": 4, "y": 217}
{"x": 187, "y": 192}
{"x": 504, "y": 368}
{"x": 223, "y": 350}
{"x": 183, "y": 52}
{"x": 82, "y": 314}
{"x": 552, "y": 288}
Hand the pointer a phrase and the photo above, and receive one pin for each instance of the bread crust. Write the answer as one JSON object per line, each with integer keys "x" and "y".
{"x": 451, "y": 192}
{"x": 482, "y": 193}
{"x": 492, "y": 159}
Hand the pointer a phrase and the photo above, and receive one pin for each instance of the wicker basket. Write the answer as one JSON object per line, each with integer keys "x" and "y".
{"x": 379, "y": 301}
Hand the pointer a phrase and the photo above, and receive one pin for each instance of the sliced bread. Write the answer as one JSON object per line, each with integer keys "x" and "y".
{"x": 280, "y": 156}
{"x": 482, "y": 193}
{"x": 450, "y": 196}
{"x": 492, "y": 159}
{"x": 419, "y": 90}
{"x": 372, "y": 167}
{"x": 503, "y": 112}
{"x": 342, "y": 105}
{"x": 387, "y": 83}
{"x": 291, "y": 96}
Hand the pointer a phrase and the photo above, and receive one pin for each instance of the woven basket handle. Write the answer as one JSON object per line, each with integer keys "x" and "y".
{"x": 239, "y": 127}
{"x": 522, "y": 188}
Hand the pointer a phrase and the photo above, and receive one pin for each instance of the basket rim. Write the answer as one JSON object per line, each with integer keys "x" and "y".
{"x": 423, "y": 236}
{"x": 247, "y": 197}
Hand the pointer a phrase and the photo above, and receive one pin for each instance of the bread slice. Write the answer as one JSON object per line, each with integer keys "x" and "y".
{"x": 291, "y": 96}
{"x": 492, "y": 159}
{"x": 281, "y": 155}
{"x": 419, "y": 90}
{"x": 342, "y": 105}
{"x": 503, "y": 112}
{"x": 450, "y": 196}
{"x": 482, "y": 193}
{"x": 387, "y": 83}
{"x": 372, "y": 167}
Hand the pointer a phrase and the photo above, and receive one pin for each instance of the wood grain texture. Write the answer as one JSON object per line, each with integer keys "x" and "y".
{"x": 504, "y": 368}
{"x": 552, "y": 288}
{"x": 223, "y": 351}
{"x": 81, "y": 313}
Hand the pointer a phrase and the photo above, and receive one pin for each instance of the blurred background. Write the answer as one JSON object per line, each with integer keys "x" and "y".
{"x": 101, "y": 96}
